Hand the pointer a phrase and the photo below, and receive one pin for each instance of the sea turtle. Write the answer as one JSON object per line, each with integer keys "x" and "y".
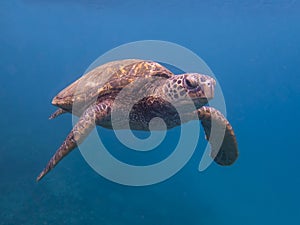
{"x": 95, "y": 93}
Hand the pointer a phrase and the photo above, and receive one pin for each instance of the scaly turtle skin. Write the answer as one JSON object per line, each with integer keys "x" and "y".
{"x": 94, "y": 96}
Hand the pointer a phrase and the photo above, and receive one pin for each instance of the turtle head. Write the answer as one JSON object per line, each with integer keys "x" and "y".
{"x": 198, "y": 87}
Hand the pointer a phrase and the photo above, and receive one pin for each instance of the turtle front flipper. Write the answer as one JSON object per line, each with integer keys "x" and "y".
{"x": 79, "y": 132}
{"x": 216, "y": 126}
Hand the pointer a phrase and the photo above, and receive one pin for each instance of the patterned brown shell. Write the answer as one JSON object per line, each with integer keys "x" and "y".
{"x": 108, "y": 78}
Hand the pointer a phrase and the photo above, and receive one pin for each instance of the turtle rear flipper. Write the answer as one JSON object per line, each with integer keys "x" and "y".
{"x": 219, "y": 133}
{"x": 79, "y": 132}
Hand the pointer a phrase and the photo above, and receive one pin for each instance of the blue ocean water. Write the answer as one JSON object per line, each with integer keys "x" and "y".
{"x": 251, "y": 46}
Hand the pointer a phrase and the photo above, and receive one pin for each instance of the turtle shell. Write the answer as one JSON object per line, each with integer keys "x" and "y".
{"x": 107, "y": 79}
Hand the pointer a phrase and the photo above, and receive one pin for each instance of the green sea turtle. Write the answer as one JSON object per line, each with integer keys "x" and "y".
{"x": 92, "y": 98}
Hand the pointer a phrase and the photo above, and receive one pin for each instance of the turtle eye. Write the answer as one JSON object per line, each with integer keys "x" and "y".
{"x": 191, "y": 83}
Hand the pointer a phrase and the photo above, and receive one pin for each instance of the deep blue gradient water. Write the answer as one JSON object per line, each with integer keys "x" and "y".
{"x": 251, "y": 46}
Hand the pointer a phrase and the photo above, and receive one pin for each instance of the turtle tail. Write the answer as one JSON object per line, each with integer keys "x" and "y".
{"x": 57, "y": 113}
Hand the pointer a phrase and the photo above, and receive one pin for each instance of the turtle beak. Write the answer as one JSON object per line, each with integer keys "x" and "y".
{"x": 209, "y": 88}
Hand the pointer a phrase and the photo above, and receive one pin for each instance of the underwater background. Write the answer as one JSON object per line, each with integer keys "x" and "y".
{"x": 251, "y": 46}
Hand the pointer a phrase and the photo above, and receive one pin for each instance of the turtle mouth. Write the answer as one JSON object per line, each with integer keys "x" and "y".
{"x": 195, "y": 90}
{"x": 199, "y": 102}
{"x": 201, "y": 94}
